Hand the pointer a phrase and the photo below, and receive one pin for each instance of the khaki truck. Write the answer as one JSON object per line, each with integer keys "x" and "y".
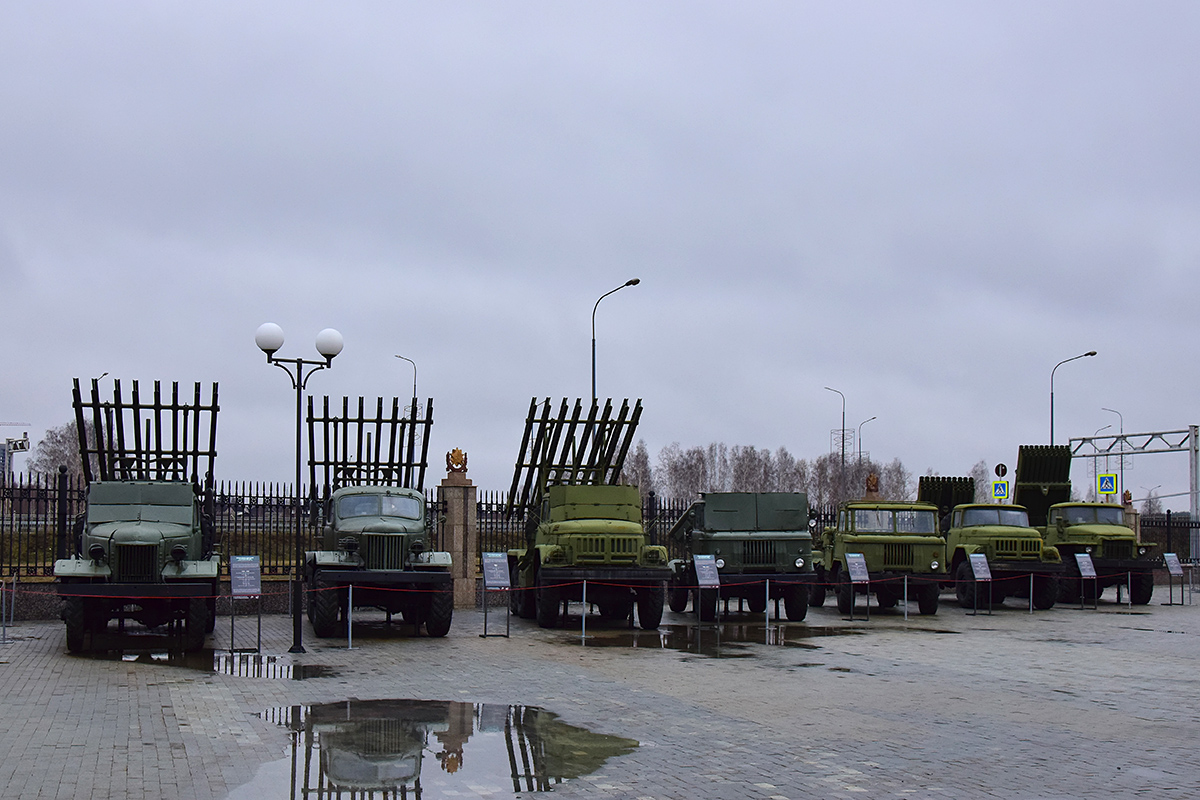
{"x": 583, "y": 529}
{"x": 899, "y": 542}
{"x": 145, "y": 547}
{"x": 1043, "y": 485}
{"x": 758, "y": 539}
{"x": 1016, "y": 554}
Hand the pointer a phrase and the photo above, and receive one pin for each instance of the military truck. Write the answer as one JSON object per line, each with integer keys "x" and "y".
{"x": 145, "y": 546}
{"x": 1043, "y": 485}
{"x": 756, "y": 538}
{"x": 1015, "y": 551}
{"x": 898, "y": 541}
{"x": 376, "y": 535}
{"x": 580, "y": 523}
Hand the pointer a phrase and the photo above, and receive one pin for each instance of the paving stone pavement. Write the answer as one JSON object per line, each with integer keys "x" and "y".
{"x": 1060, "y": 704}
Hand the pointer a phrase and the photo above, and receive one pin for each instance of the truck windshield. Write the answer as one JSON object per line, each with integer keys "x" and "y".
{"x": 885, "y": 520}
{"x": 995, "y": 516}
{"x": 373, "y": 505}
{"x": 1104, "y": 515}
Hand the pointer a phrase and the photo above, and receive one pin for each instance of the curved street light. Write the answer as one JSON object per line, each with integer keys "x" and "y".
{"x": 1056, "y": 366}
{"x": 409, "y": 360}
{"x": 1122, "y": 433}
{"x": 842, "y": 440}
{"x": 864, "y": 422}
{"x": 630, "y": 282}
{"x": 269, "y": 338}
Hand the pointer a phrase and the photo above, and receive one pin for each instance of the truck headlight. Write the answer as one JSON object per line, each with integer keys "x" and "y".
{"x": 720, "y": 563}
{"x": 349, "y": 544}
{"x": 799, "y": 563}
{"x": 179, "y": 553}
{"x": 934, "y": 564}
{"x": 96, "y": 552}
{"x": 1141, "y": 551}
{"x": 1087, "y": 549}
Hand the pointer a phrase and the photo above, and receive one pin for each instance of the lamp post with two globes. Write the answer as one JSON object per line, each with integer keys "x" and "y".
{"x": 269, "y": 338}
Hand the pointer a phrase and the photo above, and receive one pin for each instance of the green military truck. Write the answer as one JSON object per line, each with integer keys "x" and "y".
{"x": 376, "y": 536}
{"x": 757, "y": 538}
{"x": 145, "y": 546}
{"x": 1016, "y": 552}
{"x": 1043, "y": 485}
{"x": 899, "y": 542}
{"x": 582, "y": 527}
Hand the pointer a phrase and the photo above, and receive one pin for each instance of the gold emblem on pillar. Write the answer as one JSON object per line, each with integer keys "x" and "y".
{"x": 456, "y": 461}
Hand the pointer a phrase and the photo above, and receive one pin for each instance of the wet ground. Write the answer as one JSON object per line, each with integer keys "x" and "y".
{"x": 1061, "y": 703}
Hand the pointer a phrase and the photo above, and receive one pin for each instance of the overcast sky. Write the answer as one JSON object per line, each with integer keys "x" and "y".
{"x": 924, "y": 205}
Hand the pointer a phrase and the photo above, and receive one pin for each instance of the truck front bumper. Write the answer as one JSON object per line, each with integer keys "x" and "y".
{"x": 135, "y": 591}
{"x": 631, "y": 575}
{"x": 374, "y": 577}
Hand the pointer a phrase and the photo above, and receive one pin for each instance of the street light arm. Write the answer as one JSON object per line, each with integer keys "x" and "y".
{"x": 630, "y": 282}
{"x": 1056, "y": 366}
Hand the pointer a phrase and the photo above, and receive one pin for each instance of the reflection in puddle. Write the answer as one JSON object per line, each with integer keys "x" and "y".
{"x": 246, "y": 665}
{"x": 382, "y": 749}
{"x": 725, "y": 640}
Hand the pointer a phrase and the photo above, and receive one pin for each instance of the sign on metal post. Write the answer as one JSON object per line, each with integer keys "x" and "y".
{"x": 707, "y": 576}
{"x": 496, "y": 579}
{"x": 856, "y": 565}
{"x": 1000, "y": 491}
{"x": 245, "y": 580}
{"x": 1174, "y": 570}
{"x": 1174, "y": 567}
{"x": 982, "y": 573}
{"x": 1087, "y": 572}
{"x": 1106, "y": 484}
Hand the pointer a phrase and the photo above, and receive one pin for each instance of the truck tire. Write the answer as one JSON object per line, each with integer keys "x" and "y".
{"x": 325, "y": 607}
{"x": 677, "y": 597}
{"x": 887, "y": 598}
{"x": 845, "y": 594}
{"x": 1142, "y": 589}
{"x": 964, "y": 585}
{"x": 76, "y": 626}
{"x": 927, "y": 598}
{"x": 615, "y": 609}
{"x": 441, "y": 611}
{"x": 211, "y": 604}
{"x": 707, "y": 603}
{"x": 816, "y": 592}
{"x": 524, "y": 597}
{"x": 195, "y": 623}
{"x": 1045, "y": 591}
{"x": 548, "y": 600}
{"x": 757, "y": 601}
{"x": 795, "y": 602}
{"x": 650, "y": 607}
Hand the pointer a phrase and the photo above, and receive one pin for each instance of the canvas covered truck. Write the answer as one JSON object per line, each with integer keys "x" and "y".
{"x": 145, "y": 548}
{"x": 1017, "y": 556}
{"x": 376, "y": 538}
{"x": 899, "y": 542}
{"x": 1043, "y": 486}
{"x": 759, "y": 540}
{"x": 583, "y": 529}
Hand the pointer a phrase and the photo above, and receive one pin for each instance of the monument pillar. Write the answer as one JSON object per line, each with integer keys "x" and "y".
{"x": 457, "y": 494}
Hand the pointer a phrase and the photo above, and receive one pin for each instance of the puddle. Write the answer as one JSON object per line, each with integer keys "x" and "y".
{"x": 724, "y": 640}
{"x": 222, "y": 662}
{"x": 426, "y": 749}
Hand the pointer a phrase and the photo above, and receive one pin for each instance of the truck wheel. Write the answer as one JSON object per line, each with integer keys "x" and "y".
{"x": 73, "y": 616}
{"x": 927, "y": 598}
{"x": 677, "y": 598}
{"x": 757, "y": 601}
{"x": 524, "y": 596}
{"x": 441, "y": 610}
{"x": 211, "y": 604}
{"x": 618, "y": 609}
{"x": 195, "y": 623}
{"x": 816, "y": 592}
{"x": 707, "y": 603}
{"x": 845, "y": 594}
{"x": 886, "y": 598}
{"x": 1142, "y": 588}
{"x": 964, "y": 585}
{"x": 325, "y": 607}
{"x": 1045, "y": 591}
{"x": 548, "y": 600}
{"x": 795, "y": 602}
{"x": 650, "y": 607}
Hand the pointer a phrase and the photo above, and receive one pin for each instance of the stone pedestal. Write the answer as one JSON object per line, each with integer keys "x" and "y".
{"x": 461, "y": 534}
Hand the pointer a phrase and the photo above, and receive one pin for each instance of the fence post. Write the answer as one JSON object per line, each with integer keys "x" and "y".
{"x": 60, "y": 544}
{"x": 1169, "y": 550}
{"x": 457, "y": 494}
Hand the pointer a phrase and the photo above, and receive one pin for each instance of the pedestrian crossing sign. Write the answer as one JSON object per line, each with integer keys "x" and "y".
{"x": 1106, "y": 484}
{"x": 1000, "y": 490}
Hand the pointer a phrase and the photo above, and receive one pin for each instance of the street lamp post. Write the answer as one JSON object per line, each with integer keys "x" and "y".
{"x": 269, "y": 338}
{"x": 1056, "y": 366}
{"x": 864, "y": 422}
{"x": 842, "y": 442}
{"x": 414, "y": 405}
{"x": 1122, "y": 432}
{"x": 630, "y": 282}
{"x": 1096, "y": 456}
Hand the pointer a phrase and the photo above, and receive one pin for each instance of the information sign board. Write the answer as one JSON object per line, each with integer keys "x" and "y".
{"x": 245, "y": 576}
{"x": 495, "y": 571}
{"x": 707, "y": 576}
{"x": 979, "y": 566}
{"x": 1086, "y": 568}
{"x": 857, "y": 564}
{"x": 1173, "y": 565}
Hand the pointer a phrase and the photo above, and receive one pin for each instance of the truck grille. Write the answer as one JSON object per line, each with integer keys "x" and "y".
{"x": 608, "y": 549}
{"x": 136, "y": 563}
{"x": 1118, "y": 549}
{"x": 897, "y": 556}
{"x": 758, "y": 553}
{"x": 382, "y": 551}
{"x": 1018, "y": 548}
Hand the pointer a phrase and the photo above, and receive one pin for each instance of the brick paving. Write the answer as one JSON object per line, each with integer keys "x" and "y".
{"x": 1063, "y": 703}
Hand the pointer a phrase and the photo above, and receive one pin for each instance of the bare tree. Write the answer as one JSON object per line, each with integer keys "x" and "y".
{"x": 896, "y": 482}
{"x": 684, "y": 473}
{"x": 1152, "y": 504}
{"x": 60, "y": 447}
{"x": 983, "y": 482}
{"x": 637, "y": 471}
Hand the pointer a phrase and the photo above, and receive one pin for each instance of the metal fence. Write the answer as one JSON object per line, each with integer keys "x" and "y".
{"x": 1172, "y": 533}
